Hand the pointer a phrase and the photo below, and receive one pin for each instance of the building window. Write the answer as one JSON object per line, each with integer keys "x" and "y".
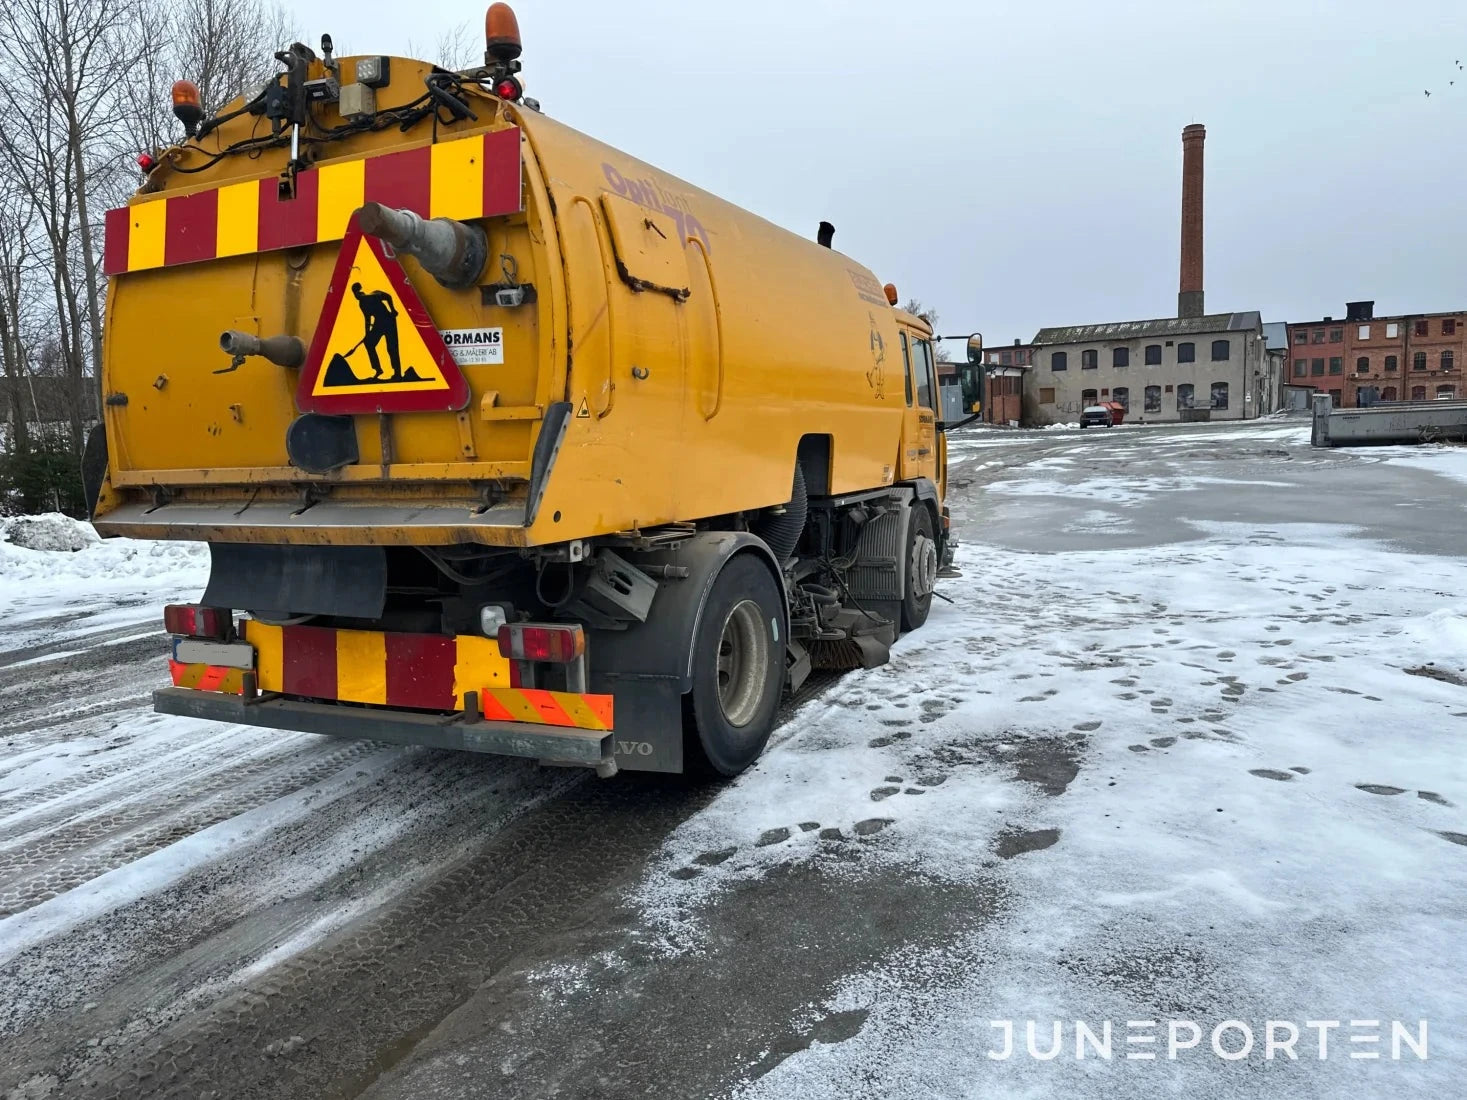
{"x": 1449, "y": 327}
{"x": 1301, "y": 367}
{"x": 1120, "y": 357}
{"x": 1006, "y": 358}
{"x": 1423, "y": 328}
{"x": 1187, "y": 353}
{"x": 1365, "y": 332}
{"x": 1153, "y": 355}
{"x": 1316, "y": 367}
{"x": 1089, "y": 397}
{"x": 1301, "y": 336}
{"x": 1089, "y": 359}
{"x": 1184, "y": 395}
{"x": 1122, "y": 397}
{"x": 1393, "y": 331}
{"x": 1318, "y": 336}
{"x": 1336, "y": 365}
{"x": 1447, "y": 360}
{"x": 1362, "y": 365}
{"x": 1219, "y": 395}
{"x": 1057, "y": 360}
{"x": 1418, "y": 393}
{"x": 1220, "y": 351}
{"x": 1390, "y": 363}
{"x": 1046, "y": 395}
{"x": 1446, "y": 392}
{"x": 1334, "y": 396}
{"x": 1388, "y": 394}
{"x": 1336, "y": 335}
{"x": 1418, "y": 361}
{"x": 1153, "y": 399}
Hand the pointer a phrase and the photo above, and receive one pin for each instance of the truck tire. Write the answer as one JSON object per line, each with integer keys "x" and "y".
{"x": 920, "y": 566}
{"x": 738, "y": 669}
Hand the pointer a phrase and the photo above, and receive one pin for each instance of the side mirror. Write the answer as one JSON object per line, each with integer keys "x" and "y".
{"x": 975, "y": 348}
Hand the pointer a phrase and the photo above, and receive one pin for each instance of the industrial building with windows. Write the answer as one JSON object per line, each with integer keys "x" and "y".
{"x": 1214, "y": 367}
{"x": 1365, "y": 359}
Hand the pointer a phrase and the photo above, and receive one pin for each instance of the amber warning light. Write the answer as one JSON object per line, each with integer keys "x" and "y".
{"x": 501, "y": 34}
{"x": 187, "y": 107}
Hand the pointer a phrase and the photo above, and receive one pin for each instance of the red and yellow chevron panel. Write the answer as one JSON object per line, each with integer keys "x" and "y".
{"x": 465, "y": 178}
{"x": 200, "y": 677}
{"x": 422, "y": 671}
{"x": 547, "y": 708}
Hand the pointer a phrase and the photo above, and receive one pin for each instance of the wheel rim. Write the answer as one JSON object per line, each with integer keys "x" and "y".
{"x": 923, "y": 566}
{"x": 743, "y": 659}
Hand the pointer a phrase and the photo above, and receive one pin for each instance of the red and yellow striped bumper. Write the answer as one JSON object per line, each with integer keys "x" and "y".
{"x": 417, "y": 671}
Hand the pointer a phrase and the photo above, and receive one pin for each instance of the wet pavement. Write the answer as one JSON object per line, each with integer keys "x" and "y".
{"x": 421, "y": 924}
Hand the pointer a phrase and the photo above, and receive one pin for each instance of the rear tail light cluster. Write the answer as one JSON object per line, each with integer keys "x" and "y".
{"x": 554, "y": 643}
{"x": 193, "y": 621}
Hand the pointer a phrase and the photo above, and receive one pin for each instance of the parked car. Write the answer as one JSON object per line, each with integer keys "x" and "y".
{"x": 1095, "y": 416}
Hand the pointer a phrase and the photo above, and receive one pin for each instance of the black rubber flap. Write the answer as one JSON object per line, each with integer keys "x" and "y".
{"x": 347, "y": 581}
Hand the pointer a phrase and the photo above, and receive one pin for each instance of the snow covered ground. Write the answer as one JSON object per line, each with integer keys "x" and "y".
{"x": 1193, "y": 782}
{"x": 1186, "y": 748}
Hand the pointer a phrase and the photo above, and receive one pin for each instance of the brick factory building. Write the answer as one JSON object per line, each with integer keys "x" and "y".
{"x": 1405, "y": 357}
{"x": 1004, "y": 370}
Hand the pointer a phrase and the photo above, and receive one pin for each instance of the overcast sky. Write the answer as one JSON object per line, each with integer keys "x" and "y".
{"x": 1019, "y": 164}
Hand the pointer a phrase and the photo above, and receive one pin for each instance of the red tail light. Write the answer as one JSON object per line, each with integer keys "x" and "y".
{"x": 193, "y": 621}
{"x": 558, "y": 644}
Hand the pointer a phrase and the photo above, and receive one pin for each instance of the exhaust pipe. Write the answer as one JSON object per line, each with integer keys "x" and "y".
{"x": 450, "y": 251}
{"x": 825, "y": 235}
{"x": 283, "y": 351}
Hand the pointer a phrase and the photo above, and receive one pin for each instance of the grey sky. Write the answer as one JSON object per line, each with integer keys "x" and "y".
{"x": 1018, "y": 164}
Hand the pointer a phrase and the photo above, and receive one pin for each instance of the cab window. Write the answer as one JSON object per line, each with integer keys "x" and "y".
{"x": 922, "y": 367}
{"x": 907, "y": 361}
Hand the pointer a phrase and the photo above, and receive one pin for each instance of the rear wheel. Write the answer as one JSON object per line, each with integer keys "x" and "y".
{"x": 921, "y": 569}
{"x": 738, "y": 666}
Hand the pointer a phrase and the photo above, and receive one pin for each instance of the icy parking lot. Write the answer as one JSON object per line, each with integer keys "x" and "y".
{"x": 1178, "y": 772}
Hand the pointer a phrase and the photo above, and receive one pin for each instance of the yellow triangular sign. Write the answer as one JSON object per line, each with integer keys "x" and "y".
{"x": 584, "y": 412}
{"x": 375, "y": 348}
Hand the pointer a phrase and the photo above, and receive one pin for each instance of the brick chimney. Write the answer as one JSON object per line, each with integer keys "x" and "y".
{"x": 1189, "y": 296}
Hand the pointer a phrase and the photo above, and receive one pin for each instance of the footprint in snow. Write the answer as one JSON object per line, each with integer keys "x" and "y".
{"x": 1270, "y": 773}
{"x": 1378, "y": 788}
{"x": 1015, "y": 842}
{"x": 1432, "y": 796}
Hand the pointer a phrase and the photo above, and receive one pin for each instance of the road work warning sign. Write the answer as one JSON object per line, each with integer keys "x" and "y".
{"x": 375, "y": 348}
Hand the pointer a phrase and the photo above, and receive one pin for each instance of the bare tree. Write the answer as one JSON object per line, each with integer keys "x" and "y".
{"x": 225, "y": 47}
{"x": 930, "y": 316}
{"x": 17, "y": 218}
{"x": 58, "y": 66}
{"x": 459, "y": 47}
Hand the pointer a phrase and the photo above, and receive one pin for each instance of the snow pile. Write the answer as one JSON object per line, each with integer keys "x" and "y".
{"x": 47, "y": 558}
{"x": 1439, "y": 638}
{"x": 50, "y": 531}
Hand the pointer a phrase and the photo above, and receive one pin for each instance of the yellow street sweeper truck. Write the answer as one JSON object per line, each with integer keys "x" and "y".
{"x": 501, "y": 439}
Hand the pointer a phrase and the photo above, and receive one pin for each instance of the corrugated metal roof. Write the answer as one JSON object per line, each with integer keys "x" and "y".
{"x": 1162, "y": 326}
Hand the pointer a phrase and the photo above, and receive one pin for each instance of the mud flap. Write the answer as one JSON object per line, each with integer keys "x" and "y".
{"x": 648, "y": 666}
{"x": 350, "y": 581}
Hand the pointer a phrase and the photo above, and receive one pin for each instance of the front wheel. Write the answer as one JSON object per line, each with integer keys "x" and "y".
{"x": 738, "y": 667}
{"x": 921, "y": 569}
